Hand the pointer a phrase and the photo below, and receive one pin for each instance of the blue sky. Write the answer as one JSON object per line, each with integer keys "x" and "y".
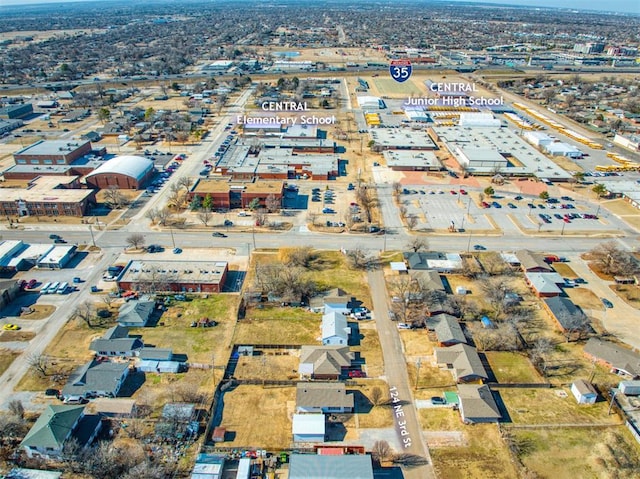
{"x": 628, "y": 6}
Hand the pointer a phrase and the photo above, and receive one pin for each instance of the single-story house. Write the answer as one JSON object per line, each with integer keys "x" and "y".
{"x": 116, "y": 342}
{"x": 324, "y": 362}
{"x": 136, "y": 313}
{"x": 621, "y": 360}
{"x": 208, "y": 466}
{"x": 533, "y": 262}
{"x": 57, "y": 425}
{"x": 476, "y": 404}
{"x": 96, "y": 378}
{"x": 429, "y": 279}
{"x": 565, "y": 313}
{"x": 448, "y": 330}
{"x": 308, "y": 427}
{"x": 334, "y": 300}
{"x": 335, "y": 330}
{"x": 323, "y": 397}
{"x": 441, "y": 262}
{"x": 317, "y": 466}
{"x": 544, "y": 285}
{"x": 463, "y": 361}
{"x": 584, "y": 392}
{"x": 158, "y": 360}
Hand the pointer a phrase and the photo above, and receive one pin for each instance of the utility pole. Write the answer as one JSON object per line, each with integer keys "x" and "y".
{"x": 418, "y": 363}
{"x": 93, "y": 240}
{"x": 173, "y": 241}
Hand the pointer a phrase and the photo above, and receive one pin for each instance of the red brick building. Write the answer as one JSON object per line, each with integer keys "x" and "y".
{"x": 124, "y": 172}
{"x": 176, "y": 276}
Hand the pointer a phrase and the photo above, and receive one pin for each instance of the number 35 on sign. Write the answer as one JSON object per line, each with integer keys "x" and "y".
{"x": 400, "y": 70}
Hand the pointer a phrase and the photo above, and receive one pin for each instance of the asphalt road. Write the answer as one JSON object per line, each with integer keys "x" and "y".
{"x": 395, "y": 370}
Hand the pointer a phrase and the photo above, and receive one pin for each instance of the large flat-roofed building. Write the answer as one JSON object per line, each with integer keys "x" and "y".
{"x": 491, "y": 150}
{"x": 226, "y": 195}
{"x": 11, "y": 112}
{"x": 177, "y": 276}
{"x": 401, "y": 139}
{"x": 400, "y": 160}
{"x": 124, "y": 172}
{"x": 47, "y": 196}
{"x": 52, "y": 152}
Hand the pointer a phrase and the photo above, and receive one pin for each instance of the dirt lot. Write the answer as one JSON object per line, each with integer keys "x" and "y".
{"x": 40, "y": 311}
{"x": 486, "y": 455}
{"x": 259, "y": 417}
{"x": 269, "y": 364}
{"x": 624, "y": 210}
{"x": 6, "y": 336}
{"x": 578, "y": 453}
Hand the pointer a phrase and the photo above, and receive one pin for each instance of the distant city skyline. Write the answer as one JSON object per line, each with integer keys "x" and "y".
{"x": 622, "y": 6}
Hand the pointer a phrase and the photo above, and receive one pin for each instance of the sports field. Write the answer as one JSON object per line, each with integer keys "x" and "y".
{"x": 388, "y": 86}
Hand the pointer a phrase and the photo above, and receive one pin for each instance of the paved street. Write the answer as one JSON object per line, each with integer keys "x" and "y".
{"x": 396, "y": 375}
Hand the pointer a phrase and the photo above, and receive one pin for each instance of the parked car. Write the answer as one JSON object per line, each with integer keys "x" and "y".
{"x": 10, "y": 327}
{"x": 59, "y": 240}
{"x": 356, "y": 373}
{"x": 438, "y": 401}
{"x": 177, "y": 250}
{"x": 54, "y": 236}
{"x": 606, "y": 302}
{"x": 217, "y": 234}
{"x": 479, "y": 247}
{"x": 404, "y": 326}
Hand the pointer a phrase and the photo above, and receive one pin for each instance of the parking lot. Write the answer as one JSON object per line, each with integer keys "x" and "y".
{"x": 439, "y": 208}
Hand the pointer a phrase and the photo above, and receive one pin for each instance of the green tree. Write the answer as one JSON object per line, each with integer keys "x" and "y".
{"x": 148, "y": 114}
{"x": 254, "y": 204}
{"x": 579, "y": 176}
{"x": 489, "y": 191}
{"x": 196, "y": 203}
{"x": 544, "y": 195}
{"x": 104, "y": 114}
{"x": 207, "y": 204}
{"x": 599, "y": 189}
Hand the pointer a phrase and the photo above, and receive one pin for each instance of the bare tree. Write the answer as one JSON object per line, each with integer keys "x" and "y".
{"x": 152, "y": 214}
{"x": 39, "y": 363}
{"x": 16, "y": 408}
{"x": 108, "y": 300}
{"x": 135, "y": 240}
{"x": 358, "y": 258}
{"x": 85, "y": 312}
{"x": 418, "y": 243}
{"x": 185, "y": 182}
{"x": 376, "y": 396}
{"x": 539, "y": 353}
{"x": 205, "y": 216}
{"x": 613, "y": 260}
{"x": 494, "y": 291}
{"x": 381, "y": 450}
{"x": 312, "y": 217}
{"x": 367, "y": 201}
{"x": 114, "y": 197}
{"x": 272, "y": 203}
{"x": 260, "y": 216}
{"x": 574, "y": 325}
{"x": 397, "y": 189}
{"x": 301, "y": 256}
{"x": 412, "y": 221}
{"x": 403, "y": 211}
{"x": 163, "y": 216}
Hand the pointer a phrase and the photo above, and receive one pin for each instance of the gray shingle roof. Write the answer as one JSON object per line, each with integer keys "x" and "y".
{"x": 477, "y": 402}
{"x": 448, "y": 329}
{"x": 95, "y": 376}
{"x": 323, "y": 395}
{"x": 618, "y": 356}
{"x": 464, "y": 359}
{"x": 314, "y": 466}
{"x": 326, "y": 359}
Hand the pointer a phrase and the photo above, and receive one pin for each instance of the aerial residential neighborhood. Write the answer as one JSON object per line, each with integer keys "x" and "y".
{"x": 319, "y": 241}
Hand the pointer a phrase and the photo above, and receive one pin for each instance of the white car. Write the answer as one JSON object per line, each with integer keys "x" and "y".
{"x": 404, "y": 326}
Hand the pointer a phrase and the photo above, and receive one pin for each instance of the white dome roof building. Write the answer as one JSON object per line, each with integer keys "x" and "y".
{"x": 126, "y": 172}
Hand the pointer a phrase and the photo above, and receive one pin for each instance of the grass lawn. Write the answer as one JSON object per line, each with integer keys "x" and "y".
{"x": 258, "y": 417}
{"x": 416, "y": 342}
{"x": 40, "y": 311}
{"x": 6, "y": 358}
{"x": 512, "y": 367}
{"x": 486, "y": 455}
{"x": 545, "y": 406}
{"x": 585, "y": 298}
{"x": 564, "y": 270}
{"x": 433, "y": 380}
{"x": 440, "y": 419}
{"x": 199, "y": 344}
{"x": 388, "y": 86}
{"x": 269, "y": 364}
{"x": 278, "y": 331}
{"x": 7, "y": 336}
{"x": 369, "y": 350}
{"x": 630, "y": 294}
{"x": 370, "y": 416}
{"x": 580, "y": 453}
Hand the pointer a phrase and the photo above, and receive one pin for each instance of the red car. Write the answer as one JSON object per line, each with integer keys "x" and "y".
{"x": 486, "y": 205}
{"x": 463, "y": 192}
{"x": 357, "y": 374}
{"x": 454, "y": 192}
{"x": 32, "y": 283}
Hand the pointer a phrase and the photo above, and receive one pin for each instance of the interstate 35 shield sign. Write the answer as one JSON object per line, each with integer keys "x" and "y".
{"x": 400, "y": 70}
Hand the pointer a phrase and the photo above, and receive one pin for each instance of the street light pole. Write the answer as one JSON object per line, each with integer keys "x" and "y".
{"x": 173, "y": 241}
{"x": 419, "y": 363}
{"x": 564, "y": 223}
{"x": 93, "y": 240}
{"x": 469, "y": 242}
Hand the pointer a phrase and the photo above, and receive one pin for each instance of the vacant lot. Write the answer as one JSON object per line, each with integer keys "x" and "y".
{"x": 578, "y": 453}
{"x": 388, "y": 86}
{"x": 433, "y": 380}
{"x": 292, "y": 331}
{"x": 416, "y": 342}
{"x": 259, "y": 416}
{"x": 7, "y": 336}
{"x": 39, "y": 311}
{"x": 547, "y": 406}
{"x": 199, "y": 344}
{"x": 512, "y": 367}
{"x": 564, "y": 270}
{"x": 630, "y": 293}
{"x": 441, "y": 419}
{"x": 486, "y": 455}
{"x": 269, "y": 364}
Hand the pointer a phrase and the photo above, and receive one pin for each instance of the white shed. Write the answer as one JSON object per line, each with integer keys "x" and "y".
{"x": 308, "y": 427}
{"x": 584, "y": 392}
